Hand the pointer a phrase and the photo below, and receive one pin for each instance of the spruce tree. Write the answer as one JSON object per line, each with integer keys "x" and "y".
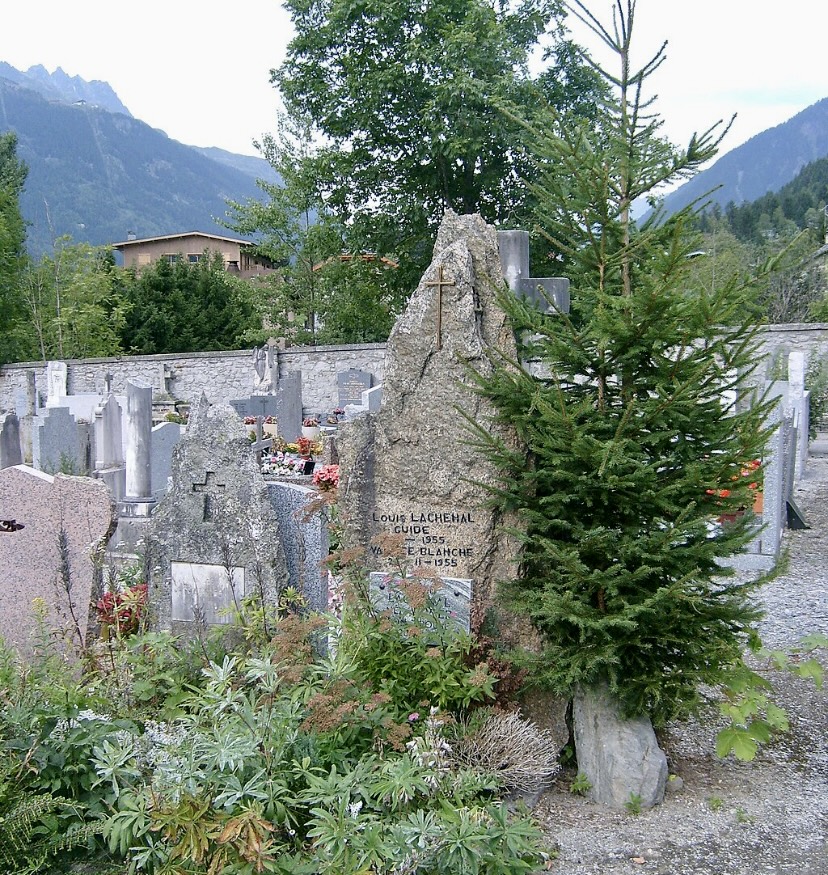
{"x": 636, "y": 446}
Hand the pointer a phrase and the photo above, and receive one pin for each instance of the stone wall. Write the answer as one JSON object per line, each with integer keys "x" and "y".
{"x": 227, "y": 375}
{"x": 779, "y": 340}
{"x": 221, "y": 375}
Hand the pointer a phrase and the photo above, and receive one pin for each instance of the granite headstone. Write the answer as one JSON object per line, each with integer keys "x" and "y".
{"x": 351, "y": 384}
{"x": 10, "y": 447}
{"x": 406, "y": 483}
{"x": 214, "y": 536}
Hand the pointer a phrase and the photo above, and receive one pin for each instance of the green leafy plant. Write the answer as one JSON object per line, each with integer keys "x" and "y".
{"x": 715, "y": 803}
{"x": 580, "y": 785}
{"x": 748, "y": 703}
{"x": 633, "y": 804}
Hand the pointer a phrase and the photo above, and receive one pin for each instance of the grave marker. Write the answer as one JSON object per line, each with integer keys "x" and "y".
{"x": 304, "y": 538}
{"x": 215, "y": 523}
{"x": 410, "y": 484}
{"x": 77, "y": 511}
{"x": 56, "y": 444}
{"x": 451, "y": 597}
{"x": 165, "y": 436}
{"x": 351, "y": 384}
{"x": 56, "y": 377}
{"x": 10, "y": 449}
{"x": 208, "y": 592}
{"x": 514, "y": 260}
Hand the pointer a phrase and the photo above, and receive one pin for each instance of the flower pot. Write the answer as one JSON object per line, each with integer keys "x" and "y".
{"x": 311, "y": 432}
{"x": 759, "y": 503}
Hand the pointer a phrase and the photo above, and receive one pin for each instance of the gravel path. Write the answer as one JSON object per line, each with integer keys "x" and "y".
{"x": 727, "y": 817}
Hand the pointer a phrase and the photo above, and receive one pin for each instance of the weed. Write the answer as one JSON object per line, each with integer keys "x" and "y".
{"x": 633, "y": 804}
{"x": 581, "y": 785}
{"x": 742, "y": 816}
{"x": 715, "y": 803}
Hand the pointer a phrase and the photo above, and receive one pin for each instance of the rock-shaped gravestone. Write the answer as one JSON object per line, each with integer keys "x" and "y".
{"x": 619, "y": 757}
{"x": 214, "y": 537}
{"x": 407, "y": 470}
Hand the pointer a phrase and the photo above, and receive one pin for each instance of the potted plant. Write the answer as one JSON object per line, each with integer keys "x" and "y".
{"x": 310, "y": 428}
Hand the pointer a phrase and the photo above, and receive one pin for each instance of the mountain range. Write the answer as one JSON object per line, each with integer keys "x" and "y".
{"x": 763, "y": 164}
{"x": 98, "y": 174}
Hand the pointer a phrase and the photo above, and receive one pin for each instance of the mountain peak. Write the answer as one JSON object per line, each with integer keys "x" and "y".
{"x": 62, "y": 87}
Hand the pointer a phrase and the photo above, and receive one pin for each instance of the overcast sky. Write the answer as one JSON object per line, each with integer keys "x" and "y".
{"x": 177, "y": 67}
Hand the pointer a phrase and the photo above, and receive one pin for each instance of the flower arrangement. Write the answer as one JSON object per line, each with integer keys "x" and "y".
{"x": 310, "y": 422}
{"x": 122, "y": 610}
{"x": 281, "y": 464}
{"x": 303, "y": 446}
{"x": 327, "y": 478}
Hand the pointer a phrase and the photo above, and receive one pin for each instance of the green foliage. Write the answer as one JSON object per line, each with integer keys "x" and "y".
{"x": 13, "y": 174}
{"x": 413, "y": 655}
{"x": 33, "y": 828}
{"x": 400, "y": 98}
{"x": 265, "y": 759}
{"x": 816, "y": 382}
{"x": 748, "y": 704}
{"x": 633, "y": 804}
{"x": 627, "y": 450}
{"x": 183, "y": 307}
{"x": 797, "y": 205}
{"x": 75, "y": 304}
{"x": 580, "y": 785}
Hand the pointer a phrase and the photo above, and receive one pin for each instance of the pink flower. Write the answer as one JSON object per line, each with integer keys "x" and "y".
{"x": 414, "y": 716}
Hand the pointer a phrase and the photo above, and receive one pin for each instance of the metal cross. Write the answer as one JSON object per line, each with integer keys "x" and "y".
{"x": 261, "y": 443}
{"x": 439, "y": 283}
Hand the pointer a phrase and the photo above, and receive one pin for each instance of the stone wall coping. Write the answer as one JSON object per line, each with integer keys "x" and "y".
{"x": 794, "y": 326}
{"x": 224, "y": 353}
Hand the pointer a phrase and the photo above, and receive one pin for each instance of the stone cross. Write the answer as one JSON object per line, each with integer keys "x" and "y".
{"x": 261, "y": 442}
{"x": 107, "y": 383}
{"x": 438, "y": 284}
{"x": 210, "y": 487}
{"x": 514, "y": 260}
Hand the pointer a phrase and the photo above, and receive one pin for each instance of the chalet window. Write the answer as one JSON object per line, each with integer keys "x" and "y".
{"x": 171, "y": 259}
{"x": 194, "y": 259}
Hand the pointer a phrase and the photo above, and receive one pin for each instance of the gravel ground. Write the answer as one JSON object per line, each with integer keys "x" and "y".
{"x": 727, "y": 817}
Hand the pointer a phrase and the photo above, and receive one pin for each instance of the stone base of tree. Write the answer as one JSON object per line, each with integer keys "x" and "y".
{"x": 619, "y": 757}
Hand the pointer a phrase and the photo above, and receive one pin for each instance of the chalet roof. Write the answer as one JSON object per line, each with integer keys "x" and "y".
{"x": 123, "y": 244}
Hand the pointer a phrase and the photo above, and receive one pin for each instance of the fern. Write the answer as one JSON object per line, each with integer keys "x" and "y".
{"x": 26, "y": 841}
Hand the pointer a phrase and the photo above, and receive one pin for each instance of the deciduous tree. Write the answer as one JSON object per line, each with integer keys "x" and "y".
{"x": 398, "y": 98}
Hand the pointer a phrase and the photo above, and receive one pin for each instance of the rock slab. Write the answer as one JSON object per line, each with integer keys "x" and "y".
{"x": 619, "y": 757}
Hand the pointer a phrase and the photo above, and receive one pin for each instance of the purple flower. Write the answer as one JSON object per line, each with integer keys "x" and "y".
{"x": 413, "y": 716}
